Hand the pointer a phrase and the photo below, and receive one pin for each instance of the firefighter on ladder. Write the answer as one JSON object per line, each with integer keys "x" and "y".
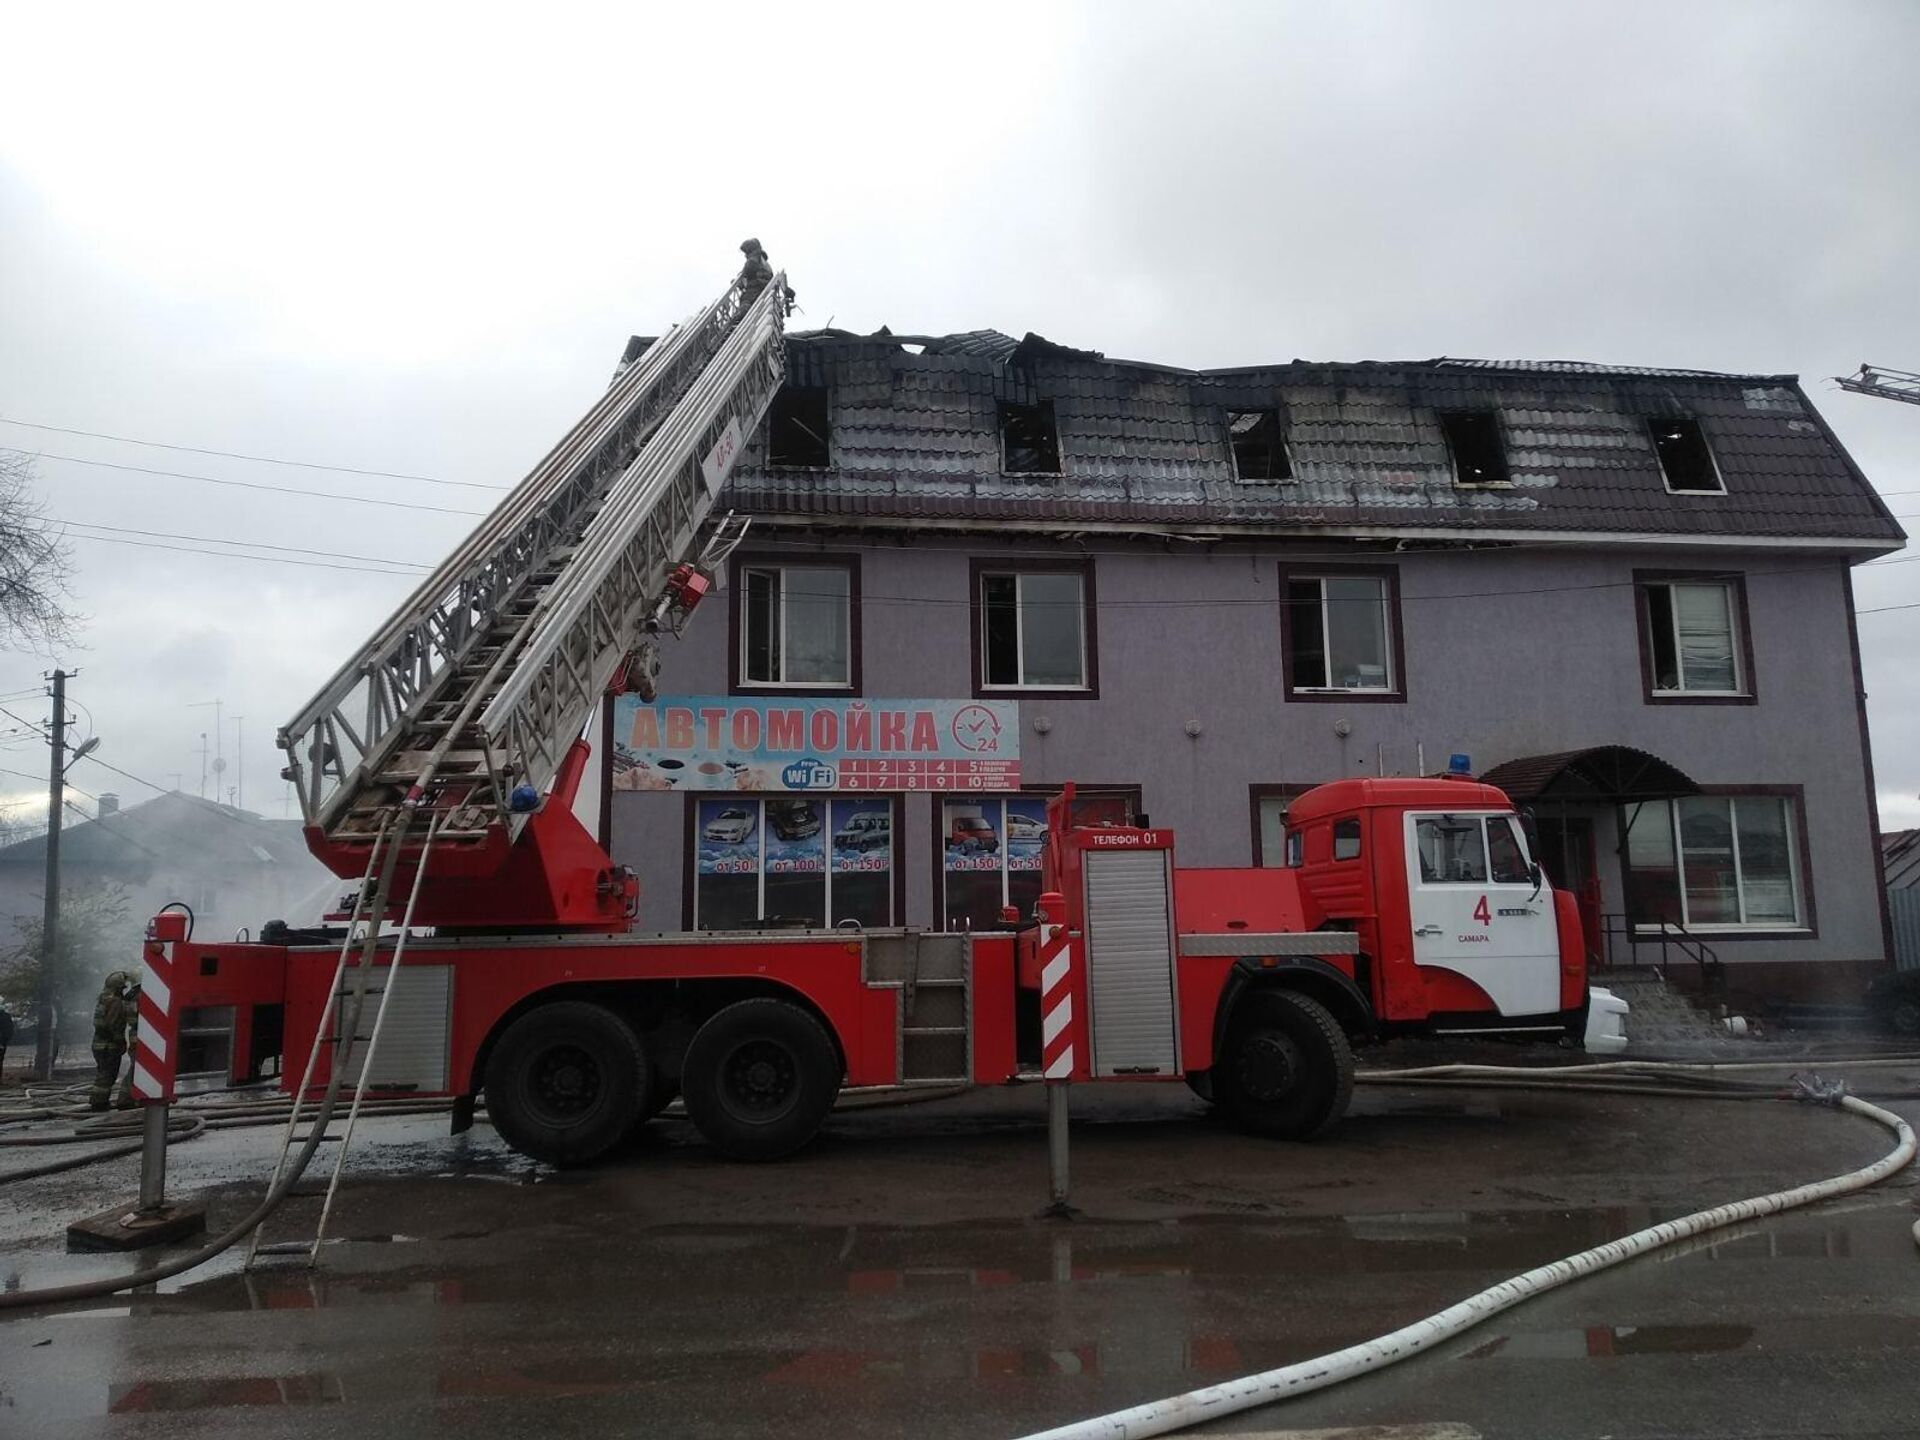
{"x": 115, "y": 1014}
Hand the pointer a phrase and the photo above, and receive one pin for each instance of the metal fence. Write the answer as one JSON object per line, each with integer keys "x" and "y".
{"x": 1905, "y": 905}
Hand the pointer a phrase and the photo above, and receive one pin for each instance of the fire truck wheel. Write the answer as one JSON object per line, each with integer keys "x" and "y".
{"x": 566, "y": 1081}
{"x": 1287, "y": 1070}
{"x": 759, "y": 1078}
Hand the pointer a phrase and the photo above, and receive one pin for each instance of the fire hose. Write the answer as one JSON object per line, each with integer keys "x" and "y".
{"x": 1195, "y": 1407}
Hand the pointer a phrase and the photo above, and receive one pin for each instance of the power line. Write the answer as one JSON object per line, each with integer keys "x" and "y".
{"x": 259, "y": 459}
{"x": 249, "y": 544}
{"x": 234, "y": 555}
{"x": 945, "y": 601}
{"x": 246, "y": 484}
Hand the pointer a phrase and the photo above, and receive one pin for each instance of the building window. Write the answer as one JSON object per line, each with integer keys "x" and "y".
{"x": 1710, "y": 862}
{"x": 1473, "y": 443}
{"x": 1340, "y": 634}
{"x": 1034, "y": 629}
{"x": 1259, "y": 449}
{"x": 1692, "y": 637}
{"x": 1685, "y": 460}
{"x": 796, "y": 626}
{"x": 1029, "y": 439}
{"x": 1271, "y": 835}
{"x": 991, "y": 847}
{"x": 792, "y": 861}
{"x": 799, "y": 427}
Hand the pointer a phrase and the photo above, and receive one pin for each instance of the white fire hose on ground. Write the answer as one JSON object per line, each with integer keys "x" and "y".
{"x": 1195, "y": 1407}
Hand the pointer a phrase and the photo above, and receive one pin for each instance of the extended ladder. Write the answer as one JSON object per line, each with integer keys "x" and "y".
{"x": 338, "y": 1025}
{"x": 480, "y": 682}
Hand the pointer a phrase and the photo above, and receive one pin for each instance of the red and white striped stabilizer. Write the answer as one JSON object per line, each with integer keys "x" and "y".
{"x": 1057, "y": 1029}
{"x": 156, "y": 1058}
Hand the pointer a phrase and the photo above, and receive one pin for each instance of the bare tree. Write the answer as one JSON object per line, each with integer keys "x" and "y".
{"x": 35, "y": 566}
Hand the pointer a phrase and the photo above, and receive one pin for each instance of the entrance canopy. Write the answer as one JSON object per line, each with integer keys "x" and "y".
{"x": 1605, "y": 774}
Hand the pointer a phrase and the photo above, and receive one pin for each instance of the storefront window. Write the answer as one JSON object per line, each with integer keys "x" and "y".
{"x": 992, "y": 848}
{"x": 792, "y": 861}
{"x": 992, "y": 858}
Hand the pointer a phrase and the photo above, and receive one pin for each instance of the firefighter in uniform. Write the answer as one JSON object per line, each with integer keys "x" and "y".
{"x": 114, "y": 1016}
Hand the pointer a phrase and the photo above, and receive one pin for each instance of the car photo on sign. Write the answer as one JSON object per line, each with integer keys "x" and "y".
{"x": 731, "y": 826}
{"x": 793, "y": 819}
{"x": 971, "y": 834}
{"x": 865, "y": 830}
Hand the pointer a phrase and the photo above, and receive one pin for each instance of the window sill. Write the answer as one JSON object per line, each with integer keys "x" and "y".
{"x": 1730, "y": 932}
{"x": 1701, "y": 697}
{"x": 797, "y": 688}
{"x": 1331, "y": 696}
{"x": 1035, "y": 692}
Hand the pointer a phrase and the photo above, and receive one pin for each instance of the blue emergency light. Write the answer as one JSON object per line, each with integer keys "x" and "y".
{"x": 1459, "y": 765}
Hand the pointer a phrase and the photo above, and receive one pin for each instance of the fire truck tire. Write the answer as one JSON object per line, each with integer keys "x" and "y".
{"x": 1287, "y": 1070}
{"x": 760, "y": 1077}
{"x": 566, "y": 1082}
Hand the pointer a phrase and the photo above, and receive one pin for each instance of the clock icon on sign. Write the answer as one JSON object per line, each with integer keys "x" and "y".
{"x": 976, "y": 728}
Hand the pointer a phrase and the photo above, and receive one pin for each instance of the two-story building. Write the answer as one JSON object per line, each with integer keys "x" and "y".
{"x": 980, "y": 568}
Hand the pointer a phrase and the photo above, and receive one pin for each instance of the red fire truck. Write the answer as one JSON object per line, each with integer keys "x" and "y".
{"x": 488, "y": 948}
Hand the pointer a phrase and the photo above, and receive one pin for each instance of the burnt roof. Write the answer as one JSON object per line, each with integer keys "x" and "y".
{"x": 915, "y": 438}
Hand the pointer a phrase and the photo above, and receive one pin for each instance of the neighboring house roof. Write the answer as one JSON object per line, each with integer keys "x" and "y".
{"x": 175, "y": 830}
{"x": 915, "y": 438}
{"x": 1900, "y": 853}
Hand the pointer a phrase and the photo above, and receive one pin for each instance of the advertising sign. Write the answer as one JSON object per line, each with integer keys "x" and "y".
{"x": 991, "y": 835}
{"x": 709, "y": 742}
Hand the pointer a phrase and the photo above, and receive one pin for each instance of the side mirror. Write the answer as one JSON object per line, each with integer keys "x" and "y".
{"x": 1535, "y": 875}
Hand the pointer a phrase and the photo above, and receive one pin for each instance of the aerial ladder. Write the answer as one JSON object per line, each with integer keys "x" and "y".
{"x": 1885, "y": 383}
{"x": 463, "y": 713}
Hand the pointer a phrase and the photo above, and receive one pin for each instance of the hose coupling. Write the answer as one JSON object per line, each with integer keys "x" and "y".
{"x": 1816, "y": 1091}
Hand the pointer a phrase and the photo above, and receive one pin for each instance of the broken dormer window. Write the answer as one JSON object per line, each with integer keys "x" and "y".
{"x": 1684, "y": 457}
{"x": 799, "y": 424}
{"x": 1029, "y": 440}
{"x": 1473, "y": 440}
{"x": 1259, "y": 449}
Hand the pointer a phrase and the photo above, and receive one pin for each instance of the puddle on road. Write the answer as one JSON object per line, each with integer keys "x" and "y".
{"x": 1606, "y": 1341}
{"x": 220, "y": 1392}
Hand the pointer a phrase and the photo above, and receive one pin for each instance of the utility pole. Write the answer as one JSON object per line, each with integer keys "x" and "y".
{"x": 50, "y": 917}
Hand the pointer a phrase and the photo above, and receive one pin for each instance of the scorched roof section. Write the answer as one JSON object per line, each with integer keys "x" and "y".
{"x": 916, "y": 421}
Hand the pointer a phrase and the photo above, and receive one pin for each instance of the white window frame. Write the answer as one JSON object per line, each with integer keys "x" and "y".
{"x": 746, "y": 680}
{"x": 1019, "y": 578}
{"x": 1796, "y": 864}
{"x": 1713, "y": 460}
{"x": 1736, "y": 639}
{"x": 1387, "y": 617}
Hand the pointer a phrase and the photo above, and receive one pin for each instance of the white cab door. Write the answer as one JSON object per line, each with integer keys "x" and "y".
{"x": 1476, "y": 911}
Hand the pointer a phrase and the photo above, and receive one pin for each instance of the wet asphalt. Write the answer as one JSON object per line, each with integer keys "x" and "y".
{"x": 897, "y": 1279}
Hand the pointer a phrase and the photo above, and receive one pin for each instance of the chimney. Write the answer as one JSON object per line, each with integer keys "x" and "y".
{"x": 109, "y": 804}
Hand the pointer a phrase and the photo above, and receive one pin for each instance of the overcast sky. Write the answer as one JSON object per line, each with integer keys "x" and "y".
{"x": 343, "y": 235}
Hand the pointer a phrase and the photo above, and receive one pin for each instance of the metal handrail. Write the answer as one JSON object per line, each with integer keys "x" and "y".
{"x": 1667, "y": 938}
